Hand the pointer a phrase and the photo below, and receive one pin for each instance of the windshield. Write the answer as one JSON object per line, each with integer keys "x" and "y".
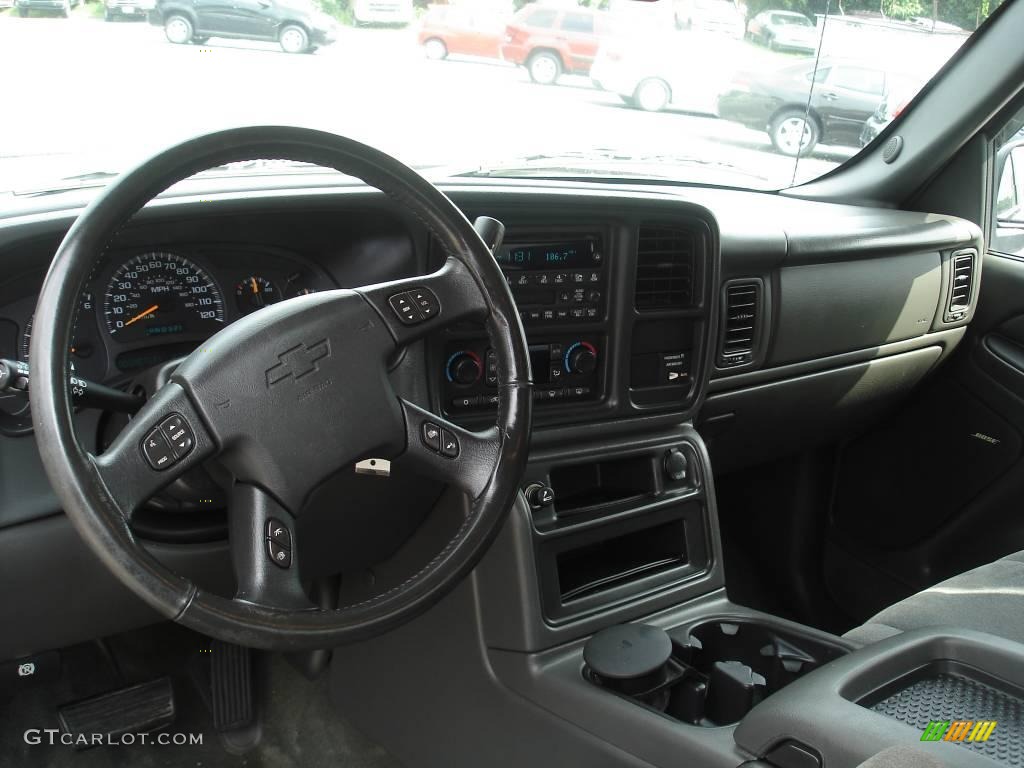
{"x": 761, "y": 95}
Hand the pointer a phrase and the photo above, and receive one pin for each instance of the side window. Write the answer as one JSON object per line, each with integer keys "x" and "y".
{"x": 542, "y": 17}
{"x": 820, "y": 75}
{"x": 1008, "y": 225}
{"x": 578, "y": 22}
{"x": 858, "y": 79}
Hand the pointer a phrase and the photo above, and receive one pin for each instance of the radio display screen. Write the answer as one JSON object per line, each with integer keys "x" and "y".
{"x": 565, "y": 255}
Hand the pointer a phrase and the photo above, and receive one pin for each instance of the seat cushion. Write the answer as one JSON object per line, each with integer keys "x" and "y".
{"x": 989, "y": 598}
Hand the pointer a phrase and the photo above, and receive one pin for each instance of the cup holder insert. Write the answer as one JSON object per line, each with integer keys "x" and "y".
{"x": 717, "y": 670}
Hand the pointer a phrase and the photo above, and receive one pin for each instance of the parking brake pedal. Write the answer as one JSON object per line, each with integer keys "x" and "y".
{"x": 138, "y": 709}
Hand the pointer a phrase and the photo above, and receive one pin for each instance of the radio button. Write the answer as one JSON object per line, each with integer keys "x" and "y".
{"x": 543, "y": 278}
{"x": 523, "y": 279}
{"x": 561, "y": 314}
{"x": 578, "y": 313}
{"x": 594, "y": 277}
{"x": 549, "y": 314}
{"x": 591, "y": 313}
{"x": 564, "y": 297}
{"x": 555, "y": 352}
{"x": 578, "y": 277}
{"x": 534, "y": 314}
{"x": 561, "y": 278}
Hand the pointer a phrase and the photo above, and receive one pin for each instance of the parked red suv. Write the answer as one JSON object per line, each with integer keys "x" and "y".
{"x": 550, "y": 41}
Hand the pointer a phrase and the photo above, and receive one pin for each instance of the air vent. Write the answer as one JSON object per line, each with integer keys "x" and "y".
{"x": 741, "y": 316}
{"x": 961, "y": 286}
{"x": 664, "y": 268}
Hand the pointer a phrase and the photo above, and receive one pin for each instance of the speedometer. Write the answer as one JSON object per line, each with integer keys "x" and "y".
{"x": 156, "y": 295}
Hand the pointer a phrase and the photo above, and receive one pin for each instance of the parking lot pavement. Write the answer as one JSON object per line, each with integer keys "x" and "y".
{"x": 119, "y": 90}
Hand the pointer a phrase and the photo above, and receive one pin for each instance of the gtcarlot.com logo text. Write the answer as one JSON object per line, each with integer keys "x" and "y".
{"x": 54, "y": 736}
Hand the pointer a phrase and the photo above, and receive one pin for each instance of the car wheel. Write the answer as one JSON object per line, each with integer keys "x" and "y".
{"x": 652, "y": 95}
{"x": 178, "y": 29}
{"x": 435, "y": 49}
{"x": 545, "y": 68}
{"x": 294, "y": 39}
{"x": 793, "y": 134}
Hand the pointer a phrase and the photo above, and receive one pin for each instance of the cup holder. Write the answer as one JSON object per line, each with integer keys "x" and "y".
{"x": 709, "y": 674}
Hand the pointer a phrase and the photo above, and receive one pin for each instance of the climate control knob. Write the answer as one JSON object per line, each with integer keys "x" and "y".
{"x": 464, "y": 368}
{"x": 581, "y": 358}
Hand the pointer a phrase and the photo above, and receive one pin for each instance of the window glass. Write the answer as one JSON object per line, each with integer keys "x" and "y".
{"x": 858, "y": 79}
{"x": 1008, "y": 224}
{"x": 578, "y": 22}
{"x": 542, "y": 17}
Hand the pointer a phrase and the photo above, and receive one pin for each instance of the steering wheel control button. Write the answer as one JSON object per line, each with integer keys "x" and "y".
{"x": 157, "y": 449}
{"x": 279, "y": 556}
{"x": 278, "y": 533}
{"x": 178, "y": 434}
{"x": 426, "y": 302}
{"x": 449, "y": 444}
{"x": 432, "y": 436}
{"x": 403, "y": 305}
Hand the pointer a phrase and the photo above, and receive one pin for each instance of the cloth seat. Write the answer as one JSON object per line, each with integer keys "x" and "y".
{"x": 989, "y": 598}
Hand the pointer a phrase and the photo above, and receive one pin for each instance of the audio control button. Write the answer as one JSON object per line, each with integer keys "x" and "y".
{"x": 425, "y": 301}
{"x": 403, "y": 306}
{"x": 449, "y": 444}
{"x": 432, "y": 436}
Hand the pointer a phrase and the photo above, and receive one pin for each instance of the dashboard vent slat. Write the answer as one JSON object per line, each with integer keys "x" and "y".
{"x": 741, "y": 315}
{"x": 961, "y": 285}
{"x": 664, "y": 268}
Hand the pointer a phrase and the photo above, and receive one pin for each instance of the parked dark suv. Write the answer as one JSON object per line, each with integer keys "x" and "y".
{"x": 298, "y": 26}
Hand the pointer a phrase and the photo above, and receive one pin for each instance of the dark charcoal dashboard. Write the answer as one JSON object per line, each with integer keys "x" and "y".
{"x": 767, "y": 322}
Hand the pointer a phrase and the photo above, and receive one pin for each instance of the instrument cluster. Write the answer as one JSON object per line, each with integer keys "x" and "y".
{"x": 143, "y": 307}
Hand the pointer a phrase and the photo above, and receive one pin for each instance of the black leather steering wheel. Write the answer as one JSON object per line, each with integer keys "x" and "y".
{"x": 278, "y": 397}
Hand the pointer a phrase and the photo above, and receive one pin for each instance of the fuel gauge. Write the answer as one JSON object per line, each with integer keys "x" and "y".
{"x": 255, "y": 293}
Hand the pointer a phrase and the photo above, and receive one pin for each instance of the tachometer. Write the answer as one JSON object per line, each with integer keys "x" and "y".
{"x": 161, "y": 294}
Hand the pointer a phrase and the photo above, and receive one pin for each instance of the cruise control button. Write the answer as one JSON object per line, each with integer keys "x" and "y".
{"x": 426, "y": 302}
{"x": 405, "y": 308}
{"x": 157, "y": 450}
{"x": 278, "y": 533}
{"x": 178, "y": 434}
{"x": 432, "y": 436}
{"x": 279, "y": 556}
{"x": 449, "y": 444}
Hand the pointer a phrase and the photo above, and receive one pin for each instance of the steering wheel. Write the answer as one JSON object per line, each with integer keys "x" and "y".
{"x": 286, "y": 397}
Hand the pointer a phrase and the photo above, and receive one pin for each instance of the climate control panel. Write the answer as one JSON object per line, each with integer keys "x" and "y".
{"x": 564, "y": 370}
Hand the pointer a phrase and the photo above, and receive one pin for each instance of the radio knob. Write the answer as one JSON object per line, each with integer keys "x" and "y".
{"x": 582, "y": 359}
{"x": 464, "y": 368}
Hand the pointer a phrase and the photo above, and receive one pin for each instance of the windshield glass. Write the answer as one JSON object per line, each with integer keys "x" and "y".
{"x": 764, "y": 94}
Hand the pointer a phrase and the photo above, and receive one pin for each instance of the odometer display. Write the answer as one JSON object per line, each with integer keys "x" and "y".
{"x": 157, "y": 296}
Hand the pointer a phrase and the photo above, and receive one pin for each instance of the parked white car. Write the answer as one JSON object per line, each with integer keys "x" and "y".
{"x": 657, "y": 71}
{"x": 720, "y": 16}
{"x": 784, "y": 29}
{"x": 383, "y": 12}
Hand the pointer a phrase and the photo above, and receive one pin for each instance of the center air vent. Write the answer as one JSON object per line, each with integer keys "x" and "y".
{"x": 665, "y": 268}
{"x": 961, "y": 286}
{"x": 741, "y": 316}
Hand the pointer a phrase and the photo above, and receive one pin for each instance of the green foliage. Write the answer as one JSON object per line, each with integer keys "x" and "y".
{"x": 902, "y": 9}
{"x": 339, "y": 9}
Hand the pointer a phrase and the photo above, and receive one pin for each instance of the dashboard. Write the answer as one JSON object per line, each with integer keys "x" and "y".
{"x": 766, "y": 323}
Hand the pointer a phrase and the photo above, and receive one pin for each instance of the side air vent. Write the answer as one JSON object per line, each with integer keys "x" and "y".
{"x": 961, "y": 286}
{"x": 741, "y": 322}
{"x": 665, "y": 268}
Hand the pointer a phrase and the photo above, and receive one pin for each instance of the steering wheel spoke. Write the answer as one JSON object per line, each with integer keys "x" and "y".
{"x": 449, "y": 452}
{"x": 162, "y": 441}
{"x": 264, "y": 551}
{"x": 416, "y": 306}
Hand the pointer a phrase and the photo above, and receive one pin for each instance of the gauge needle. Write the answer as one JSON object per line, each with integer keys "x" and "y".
{"x": 142, "y": 314}
{"x": 255, "y": 289}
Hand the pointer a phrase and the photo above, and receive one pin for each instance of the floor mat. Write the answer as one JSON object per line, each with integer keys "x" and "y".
{"x": 301, "y": 728}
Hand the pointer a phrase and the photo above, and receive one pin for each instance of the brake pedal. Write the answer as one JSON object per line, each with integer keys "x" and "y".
{"x": 139, "y": 708}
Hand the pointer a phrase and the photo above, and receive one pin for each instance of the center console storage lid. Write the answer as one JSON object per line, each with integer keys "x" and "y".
{"x": 838, "y": 710}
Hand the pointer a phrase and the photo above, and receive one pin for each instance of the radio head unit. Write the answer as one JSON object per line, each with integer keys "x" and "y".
{"x": 557, "y": 281}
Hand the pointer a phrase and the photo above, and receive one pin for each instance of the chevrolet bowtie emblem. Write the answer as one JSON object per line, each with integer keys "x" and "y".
{"x": 301, "y": 360}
